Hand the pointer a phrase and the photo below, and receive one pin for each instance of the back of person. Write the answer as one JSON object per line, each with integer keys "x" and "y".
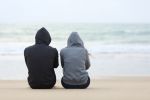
{"x": 75, "y": 62}
{"x": 41, "y": 60}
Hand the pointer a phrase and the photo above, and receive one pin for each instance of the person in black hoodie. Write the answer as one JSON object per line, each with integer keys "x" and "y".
{"x": 41, "y": 59}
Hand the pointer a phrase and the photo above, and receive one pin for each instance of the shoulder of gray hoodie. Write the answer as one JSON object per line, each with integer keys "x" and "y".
{"x": 75, "y": 61}
{"x": 85, "y": 54}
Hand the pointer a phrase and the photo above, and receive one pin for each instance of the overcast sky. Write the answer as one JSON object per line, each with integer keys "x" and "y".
{"x": 109, "y": 11}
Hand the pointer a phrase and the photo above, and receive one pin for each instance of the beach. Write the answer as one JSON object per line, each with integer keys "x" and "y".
{"x": 119, "y": 55}
{"x": 114, "y": 49}
{"x": 108, "y": 88}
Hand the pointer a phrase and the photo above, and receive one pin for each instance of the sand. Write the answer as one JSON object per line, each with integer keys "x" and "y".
{"x": 113, "y": 88}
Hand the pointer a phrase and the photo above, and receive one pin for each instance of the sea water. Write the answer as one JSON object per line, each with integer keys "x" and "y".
{"x": 115, "y": 49}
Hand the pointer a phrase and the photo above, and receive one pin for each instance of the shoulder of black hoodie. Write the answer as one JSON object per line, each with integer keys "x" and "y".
{"x": 27, "y": 48}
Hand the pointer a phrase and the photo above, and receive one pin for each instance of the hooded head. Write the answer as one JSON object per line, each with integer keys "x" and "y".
{"x": 42, "y": 37}
{"x": 75, "y": 40}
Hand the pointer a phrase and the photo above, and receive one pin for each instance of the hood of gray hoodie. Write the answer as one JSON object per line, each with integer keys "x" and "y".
{"x": 75, "y": 40}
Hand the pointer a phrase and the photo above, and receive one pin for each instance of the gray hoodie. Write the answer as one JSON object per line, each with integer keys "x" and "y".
{"x": 75, "y": 61}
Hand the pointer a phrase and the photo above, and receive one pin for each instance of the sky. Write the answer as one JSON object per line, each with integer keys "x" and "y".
{"x": 96, "y": 11}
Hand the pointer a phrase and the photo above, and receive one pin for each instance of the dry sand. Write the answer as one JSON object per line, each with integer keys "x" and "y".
{"x": 114, "y": 88}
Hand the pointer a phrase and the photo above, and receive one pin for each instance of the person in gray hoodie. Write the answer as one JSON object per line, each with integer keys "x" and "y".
{"x": 75, "y": 61}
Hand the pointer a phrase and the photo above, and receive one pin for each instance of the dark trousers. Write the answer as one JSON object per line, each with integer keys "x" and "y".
{"x": 41, "y": 86}
{"x": 68, "y": 86}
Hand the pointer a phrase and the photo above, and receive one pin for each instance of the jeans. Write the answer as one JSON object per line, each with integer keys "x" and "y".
{"x": 83, "y": 86}
{"x": 41, "y": 86}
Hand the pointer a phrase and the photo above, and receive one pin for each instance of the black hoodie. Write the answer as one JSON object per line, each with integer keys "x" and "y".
{"x": 41, "y": 59}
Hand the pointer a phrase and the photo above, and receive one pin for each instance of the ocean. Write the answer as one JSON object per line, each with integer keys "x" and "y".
{"x": 115, "y": 49}
{"x": 104, "y": 33}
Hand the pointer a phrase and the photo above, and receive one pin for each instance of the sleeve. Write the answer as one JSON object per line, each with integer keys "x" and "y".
{"x": 25, "y": 56}
{"x": 62, "y": 60}
{"x": 87, "y": 62}
{"x": 56, "y": 61}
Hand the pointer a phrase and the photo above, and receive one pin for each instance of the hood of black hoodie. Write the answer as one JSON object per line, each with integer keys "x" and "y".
{"x": 42, "y": 37}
